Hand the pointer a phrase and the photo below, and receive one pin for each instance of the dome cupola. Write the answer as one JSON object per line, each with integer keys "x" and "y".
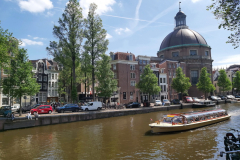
{"x": 180, "y": 19}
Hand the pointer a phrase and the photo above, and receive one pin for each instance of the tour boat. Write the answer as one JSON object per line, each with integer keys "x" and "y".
{"x": 205, "y": 103}
{"x": 190, "y": 120}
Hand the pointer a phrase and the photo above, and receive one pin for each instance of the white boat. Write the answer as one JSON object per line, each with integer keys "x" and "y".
{"x": 187, "y": 121}
{"x": 205, "y": 103}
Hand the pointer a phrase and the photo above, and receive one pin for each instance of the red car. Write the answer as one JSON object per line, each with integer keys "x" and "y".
{"x": 187, "y": 99}
{"x": 42, "y": 109}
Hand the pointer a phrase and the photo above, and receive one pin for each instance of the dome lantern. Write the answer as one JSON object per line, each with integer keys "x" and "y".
{"x": 180, "y": 19}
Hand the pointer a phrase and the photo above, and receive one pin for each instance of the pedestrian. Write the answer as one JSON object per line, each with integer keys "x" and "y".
{"x": 36, "y": 115}
{"x": 13, "y": 116}
{"x": 29, "y": 116}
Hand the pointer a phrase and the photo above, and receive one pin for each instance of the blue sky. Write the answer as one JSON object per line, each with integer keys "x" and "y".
{"x": 136, "y": 26}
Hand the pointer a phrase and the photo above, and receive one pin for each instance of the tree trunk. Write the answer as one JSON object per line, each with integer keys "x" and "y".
{"x": 205, "y": 95}
{"x": 148, "y": 104}
{"x": 20, "y": 113}
{"x": 85, "y": 84}
{"x": 74, "y": 79}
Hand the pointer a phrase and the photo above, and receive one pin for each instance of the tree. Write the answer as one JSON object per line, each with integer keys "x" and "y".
{"x": 96, "y": 42}
{"x": 8, "y": 45}
{"x": 204, "y": 83}
{"x": 236, "y": 81}
{"x": 228, "y": 11}
{"x": 148, "y": 82}
{"x": 105, "y": 76}
{"x": 86, "y": 69}
{"x": 181, "y": 83}
{"x": 223, "y": 82}
{"x": 20, "y": 78}
{"x": 70, "y": 35}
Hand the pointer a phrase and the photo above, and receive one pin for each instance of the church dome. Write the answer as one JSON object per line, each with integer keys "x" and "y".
{"x": 182, "y": 37}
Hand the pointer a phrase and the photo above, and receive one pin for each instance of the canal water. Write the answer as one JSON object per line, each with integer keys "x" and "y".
{"x": 126, "y": 137}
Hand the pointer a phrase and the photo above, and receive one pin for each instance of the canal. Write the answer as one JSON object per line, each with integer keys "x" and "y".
{"x": 126, "y": 137}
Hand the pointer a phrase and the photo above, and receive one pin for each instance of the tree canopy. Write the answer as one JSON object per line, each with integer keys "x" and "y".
{"x": 96, "y": 42}
{"x": 180, "y": 83}
{"x": 148, "y": 82}
{"x": 70, "y": 35}
{"x": 223, "y": 82}
{"x": 229, "y": 12}
{"x": 204, "y": 83}
{"x": 236, "y": 81}
{"x": 105, "y": 76}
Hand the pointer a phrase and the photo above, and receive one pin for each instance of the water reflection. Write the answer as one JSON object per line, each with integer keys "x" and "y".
{"x": 126, "y": 137}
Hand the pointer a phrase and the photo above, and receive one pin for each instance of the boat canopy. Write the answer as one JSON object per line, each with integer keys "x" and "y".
{"x": 205, "y": 113}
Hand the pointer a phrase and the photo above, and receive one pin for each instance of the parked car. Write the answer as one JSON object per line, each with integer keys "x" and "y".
{"x": 42, "y": 109}
{"x": 187, "y": 99}
{"x": 166, "y": 102}
{"x": 237, "y": 96}
{"x": 176, "y": 101}
{"x": 5, "y": 110}
{"x": 68, "y": 107}
{"x": 133, "y": 105}
{"x": 91, "y": 106}
{"x": 230, "y": 97}
{"x": 28, "y": 108}
{"x": 214, "y": 98}
{"x": 15, "y": 108}
{"x": 222, "y": 97}
{"x": 195, "y": 99}
{"x": 157, "y": 103}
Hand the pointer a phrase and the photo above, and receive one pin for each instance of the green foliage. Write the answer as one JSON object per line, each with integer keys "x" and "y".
{"x": 70, "y": 35}
{"x": 228, "y": 11}
{"x": 148, "y": 82}
{"x": 20, "y": 80}
{"x": 96, "y": 42}
{"x": 223, "y": 82}
{"x": 181, "y": 83}
{"x": 105, "y": 76}
{"x": 204, "y": 83}
{"x": 236, "y": 81}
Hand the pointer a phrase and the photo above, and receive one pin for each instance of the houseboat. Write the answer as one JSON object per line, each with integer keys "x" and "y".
{"x": 187, "y": 121}
{"x": 205, "y": 103}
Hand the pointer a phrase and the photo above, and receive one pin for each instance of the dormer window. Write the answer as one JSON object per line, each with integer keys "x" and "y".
{"x": 130, "y": 57}
{"x": 112, "y": 57}
{"x": 193, "y": 52}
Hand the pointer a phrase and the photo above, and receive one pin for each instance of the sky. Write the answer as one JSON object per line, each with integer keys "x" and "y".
{"x": 136, "y": 26}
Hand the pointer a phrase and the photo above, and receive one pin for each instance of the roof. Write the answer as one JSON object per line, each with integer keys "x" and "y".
{"x": 123, "y": 56}
{"x": 182, "y": 37}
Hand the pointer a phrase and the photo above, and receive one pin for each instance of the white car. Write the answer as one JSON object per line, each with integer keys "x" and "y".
{"x": 92, "y": 106}
{"x": 230, "y": 97}
{"x": 157, "y": 103}
{"x": 15, "y": 107}
{"x": 166, "y": 102}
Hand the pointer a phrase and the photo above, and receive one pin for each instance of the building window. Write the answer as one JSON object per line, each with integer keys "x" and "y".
{"x": 160, "y": 80}
{"x": 55, "y": 76}
{"x": 162, "y": 70}
{"x": 44, "y": 97}
{"x": 52, "y": 84}
{"x": 115, "y": 75}
{"x": 45, "y": 78}
{"x": 4, "y": 101}
{"x": 132, "y": 67}
{"x": 148, "y": 62}
{"x": 40, "y": 85}
{"x": 112, "y": 57}
{"x": 144, "y": 62}
{"x": 194, "y": 77}
{"x": 153, "y": 66}
{"x": 161, "y": 88}
{"x": 164, "y": 80}
{"x": 140, "y": 68}
{"x": 5, "y": 71}
{"x": 124, "y": 95}
{"x": 193, "y": 52}
{"x": 140, "y": 61}
{"x": 39, "y": 78}
{"x": 169, "y": 66}
{"x": 206, "y": 53}
{"x": 56, "y": 84}
{"x": 161, "y": 56}
{"x": 130, "y": 57}
{"x": 133, "y": 75}
{"x": 173, "y": 65}
{"x": 175, "y": 54}
{"x": 49, "y": 84}
{"x": 114, "y": 67}
{"x": 49, "y": 76}
{"x": 170, "y": 73}
{"x": 52, "y": 93}
{"x": 132, "y": 83}
{"x": 52, "y": 76}
{"x": 164, "y": 88}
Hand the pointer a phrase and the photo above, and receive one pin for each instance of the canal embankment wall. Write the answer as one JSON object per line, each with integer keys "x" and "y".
{"x": 23, "y": 122}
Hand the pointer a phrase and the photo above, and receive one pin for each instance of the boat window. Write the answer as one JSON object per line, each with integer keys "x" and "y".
{"x": 167, "y": 119}
{"x": 177, "y": 120}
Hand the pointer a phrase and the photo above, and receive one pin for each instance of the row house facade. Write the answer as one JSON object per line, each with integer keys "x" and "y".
{"x": 46, "y": 73}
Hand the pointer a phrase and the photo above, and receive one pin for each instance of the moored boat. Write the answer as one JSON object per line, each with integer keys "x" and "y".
{"x": 187, "y": 121}
{"x": 205, "y": 103}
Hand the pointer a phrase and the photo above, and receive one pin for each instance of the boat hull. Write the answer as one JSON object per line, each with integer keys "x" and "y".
{"x": 156, "y": 128}
{"x": 203, "y": 105}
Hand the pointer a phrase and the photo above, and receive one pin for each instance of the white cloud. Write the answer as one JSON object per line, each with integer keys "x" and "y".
{"x": 194, "y": 1}
{"x": 38, "y": 38}
{"x": 35, "y": 6}
{"x": 120, "y": 4}
{"x": 230, "y": 59}
{"x": 103, "y": 6}
{"x": 108, "y": 36}
{"x": 26, "y": 42}
{"x": 29, "y": 35}
{"x": 49, "y": 14}
{"x": 121, "y": 30}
